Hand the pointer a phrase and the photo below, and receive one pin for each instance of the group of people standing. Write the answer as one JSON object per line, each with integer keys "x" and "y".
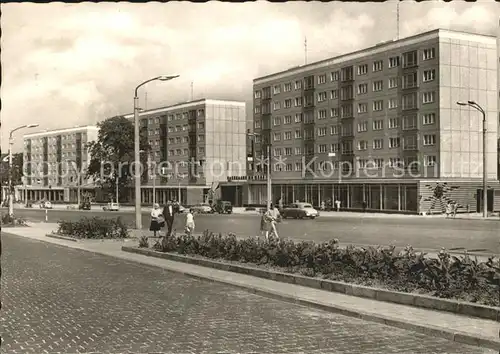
{"x": 268, "y": 222}
{"x": 165, "y": 217}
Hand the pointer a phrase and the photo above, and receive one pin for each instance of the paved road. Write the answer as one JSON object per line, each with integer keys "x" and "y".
{"x": 422, "y": 233}
{"x": 62, "y": 300}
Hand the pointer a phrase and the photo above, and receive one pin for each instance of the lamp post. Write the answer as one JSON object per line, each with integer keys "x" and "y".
{"x": 485, "y": 175}
{"x": 137, "y": 157}
{"x": 11, "y": 142}
{"x": 269, "y": 189}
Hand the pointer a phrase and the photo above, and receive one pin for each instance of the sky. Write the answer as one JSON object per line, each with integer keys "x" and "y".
{"x": 75, "y": 64}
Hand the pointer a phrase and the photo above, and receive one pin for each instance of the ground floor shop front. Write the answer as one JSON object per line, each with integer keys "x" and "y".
{"x": 402, "y": 196}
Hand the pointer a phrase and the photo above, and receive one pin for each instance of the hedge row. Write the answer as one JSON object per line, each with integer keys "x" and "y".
{"x": 94, "y": 228}
{"x": 446, "y": 276}
{"x": 10, "y": 220}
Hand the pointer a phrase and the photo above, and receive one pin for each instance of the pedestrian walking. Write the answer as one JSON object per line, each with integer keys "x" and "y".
{"x": 157, "y": 220}
{"x": 337, "y": 204}
{"x": 169, "y": 214}
{"x": 190, "y": 222}
{"x": 322, "y": 206}
{"x": 449, "y": 209}
{"x": 272, "y": 217}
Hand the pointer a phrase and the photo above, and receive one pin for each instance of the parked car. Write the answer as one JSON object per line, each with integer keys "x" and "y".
{"x": 299, "y": 211}
{"x": 111, "y": 207}
{"x": 85, "y": 206}
{"x": 202, "y": 208}
{"x": 223, "y": 207}
{"x": 45, "y": 205}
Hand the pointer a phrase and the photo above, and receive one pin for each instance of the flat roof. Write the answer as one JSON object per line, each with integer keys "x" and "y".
{"x": 187, "y": 105}
{"x": 379, "y": 48}
{"x": 61, "y": 131}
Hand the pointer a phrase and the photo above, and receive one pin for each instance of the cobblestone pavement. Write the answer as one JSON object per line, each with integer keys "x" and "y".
{"x": 62, "y": 300}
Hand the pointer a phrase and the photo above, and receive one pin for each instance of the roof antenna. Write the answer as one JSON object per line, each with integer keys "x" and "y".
{"x": 305, "y": 50}
{"x": 192, "y": 95}
{"x": 397, "y": 17}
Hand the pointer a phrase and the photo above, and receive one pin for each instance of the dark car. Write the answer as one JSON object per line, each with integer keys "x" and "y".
{"x": 299, "y": 211}
{"x": 223, "y": 207}
{"x": 84, "y": 206}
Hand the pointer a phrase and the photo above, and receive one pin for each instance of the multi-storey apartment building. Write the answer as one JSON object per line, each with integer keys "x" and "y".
{"x": 195, "y": 145}
{"x": 381, "y": 125}
{"x": 52, "y": 161}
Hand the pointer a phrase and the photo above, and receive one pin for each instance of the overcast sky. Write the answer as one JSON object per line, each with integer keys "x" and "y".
{"x": 75, "y": 64}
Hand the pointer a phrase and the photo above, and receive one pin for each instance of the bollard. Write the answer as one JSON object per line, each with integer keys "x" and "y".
{"x": 46, "y": 215}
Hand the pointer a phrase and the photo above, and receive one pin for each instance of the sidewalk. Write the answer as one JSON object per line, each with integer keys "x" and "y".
{"x": 453, "y": 327}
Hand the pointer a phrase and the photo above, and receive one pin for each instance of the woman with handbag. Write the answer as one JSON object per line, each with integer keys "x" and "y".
{"x": 157, "y": 220}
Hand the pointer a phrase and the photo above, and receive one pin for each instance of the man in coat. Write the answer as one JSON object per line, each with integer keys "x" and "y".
{"x": 169, "y": 213}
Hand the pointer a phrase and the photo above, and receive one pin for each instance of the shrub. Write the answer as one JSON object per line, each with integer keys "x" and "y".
{"x": 94, "y": 228}
{"x": 406, "y": 270}
{"x": 143, "y": 242}
{"x": 11, "y": 220}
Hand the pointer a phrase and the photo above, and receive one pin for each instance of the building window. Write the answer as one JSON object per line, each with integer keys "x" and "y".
{"x": 428, "y": 97}
{"x": 429, "y": 53}
{"x": 298, "y": 101}
{"x": 277, "y": 137}
{"x": 378, "y": 86}
{"x": 334, "y": 94}
{"x": 278, "y": 167}
{"x": 362, "y": 69}
{"x": 410, "y": 81}
{"x": 394, "y": 143}
{"x": 287, "y": 103}
{"x": 392, "y": 103}
{"x": 298, "y": 84}
{"x": 256, "y": 109}
{"x": 346, "y": 74}
{"x": 409, "y": 122}
{"x": 322, "y": 114}
{"x": 277, "y": 152}
{"x": 276, "y": 105}
{"x": 409, "y": 101}
{"x": 201, "y": 125}
{"x": 393, "y": 82}
{"x": 277, "y": 89}
{"x": 346, "y": 93}
{"x": 378, "y": 66}
{"x": 287, "y": 87}
{"x": 298, "y": 166}
{"x": 334, "y": 130}
{"x": 378, "y": 105}
{"x": 362, "y": 164}
{"x": 378, "y": 124}
{"x": 393, "y": 123}
{"x": 322, "y": 148}
{"x": 288, "y": 167}
{"x": 334, "y": 76}
{"x": 298, "y": 117}
{"x": 334, "y": 147}
{"x": 322, "y": 96}
{"x": 429, "y": 118}
{"x": 277, "y": 121}
{"x": 362, "y": 126}
{"x": 362, "y": 145}
{"x": 298, "y": 134}
{"x": 393, "y": 62}
{"x": 378, "y": 144}
{"x": 394, "y": 162}
{"x": 429, "y": 75}
{"x": 321, "y": 79}
{"x": 288, "y": 120}
{"x": 346, "y": 111}
{"x": 334, "y": 112}
{"x": 362, "y": 89}
{"x": 346, "y": 130}
{"x": 200, "y": 138}
{"x": 429, "y": 139}
{"x": 410, "y": 142}
{"x": 378, "y": 163}
{"x": 362, "y": 107}
{"x": 322, "y": 131}
{"x": 410, "y": 59}
{"x": 347, "y": 147}
{"x": 287, "y": 136}
{"x": 430, "y": 160}
{"x": 298, "y": 150}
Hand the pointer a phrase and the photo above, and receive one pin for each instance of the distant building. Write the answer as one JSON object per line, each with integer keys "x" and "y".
{"x": 380, "y": 125}
{"x": 198, "y": 144}
{"x": 51, "y": 161}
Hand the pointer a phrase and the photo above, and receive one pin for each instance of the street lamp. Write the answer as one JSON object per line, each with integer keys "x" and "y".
{"x": 137, "y": 158}
{"x": 269, "y": 190}
{"x": 485, "y": 176}
{"x": 11, "y": 142}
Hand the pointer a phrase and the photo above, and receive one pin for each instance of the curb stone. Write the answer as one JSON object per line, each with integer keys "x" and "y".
{"x": 63, "y": 237}
{"x": 68, "y": 238}
{"x": 456, "y": 336}
{"x": 416, "y": 300}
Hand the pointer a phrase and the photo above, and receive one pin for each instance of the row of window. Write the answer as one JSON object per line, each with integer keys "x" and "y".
{"x": 408, "y": 101}
{"x": 177, "y": 128}
{"x": 200, "y": 113}
{"x": 184, "y": 152}
{"x": 373, "y": 163}
{"x": 408, "y": 59}
{"x": 184, "y": 139}
{"x": 53, "y": 139}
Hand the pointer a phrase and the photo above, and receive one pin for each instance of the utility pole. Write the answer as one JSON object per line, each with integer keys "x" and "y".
{"x": 397, "y": 19}
{"x": 305, "y": 50}
{"x": 192, "y": 95}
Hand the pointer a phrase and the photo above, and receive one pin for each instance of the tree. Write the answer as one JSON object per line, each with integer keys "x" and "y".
{"x": 112, "y": 154}
{"x": 17, "y": 169}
